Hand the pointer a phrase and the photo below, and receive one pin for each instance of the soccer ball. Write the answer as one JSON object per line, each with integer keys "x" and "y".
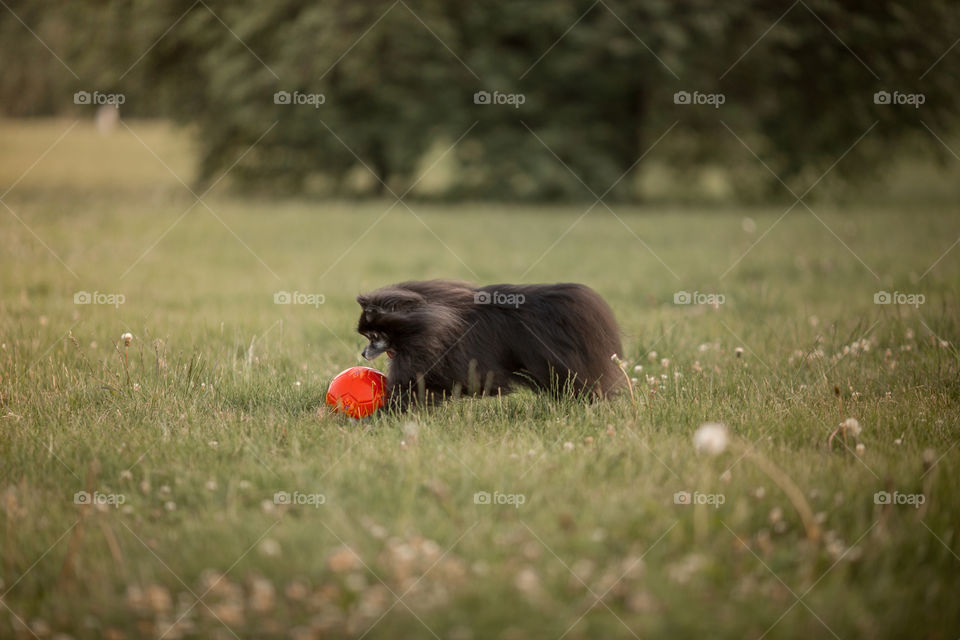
{"x": 357, "y": 391}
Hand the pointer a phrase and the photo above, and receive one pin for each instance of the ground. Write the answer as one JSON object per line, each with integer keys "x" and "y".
{"x": 223, "y": 500}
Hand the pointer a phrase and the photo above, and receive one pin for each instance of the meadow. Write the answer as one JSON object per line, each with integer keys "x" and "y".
{"x": 193, "y": 484}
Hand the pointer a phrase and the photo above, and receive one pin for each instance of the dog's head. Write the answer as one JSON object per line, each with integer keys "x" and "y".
{"x": 386, "y": 320}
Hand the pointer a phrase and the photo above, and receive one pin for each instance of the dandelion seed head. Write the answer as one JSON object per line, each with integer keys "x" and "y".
{"x": 711, "y": 438}
{"x": 851, "y": 425}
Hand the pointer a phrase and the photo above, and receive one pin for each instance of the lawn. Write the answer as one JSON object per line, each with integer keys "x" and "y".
{"x": 186, "y": 440}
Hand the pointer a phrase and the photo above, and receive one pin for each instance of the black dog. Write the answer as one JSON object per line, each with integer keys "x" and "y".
{"x": 446, "y": 338}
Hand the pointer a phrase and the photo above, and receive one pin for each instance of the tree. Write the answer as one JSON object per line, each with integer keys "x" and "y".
{"x": 588, "y": 87}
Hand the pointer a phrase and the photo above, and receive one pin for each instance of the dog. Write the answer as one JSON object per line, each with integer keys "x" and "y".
{"x": 446, "y": 338}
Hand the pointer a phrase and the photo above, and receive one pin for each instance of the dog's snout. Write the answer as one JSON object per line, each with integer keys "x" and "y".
{"x": 373, "y": 350}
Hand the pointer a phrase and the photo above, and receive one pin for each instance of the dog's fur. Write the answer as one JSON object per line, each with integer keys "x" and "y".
{"x": 446, "y": 338}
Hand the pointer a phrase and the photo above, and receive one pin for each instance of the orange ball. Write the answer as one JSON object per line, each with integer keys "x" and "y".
{"x": 357, "y": 391}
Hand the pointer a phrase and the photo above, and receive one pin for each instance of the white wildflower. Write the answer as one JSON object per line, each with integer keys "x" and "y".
{"x": 711, "y": 438}
{"x": 851, "y": 426}
{"x": 270, "y": 548}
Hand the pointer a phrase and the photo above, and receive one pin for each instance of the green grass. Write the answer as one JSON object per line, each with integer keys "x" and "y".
{"x": 206, "y": 421}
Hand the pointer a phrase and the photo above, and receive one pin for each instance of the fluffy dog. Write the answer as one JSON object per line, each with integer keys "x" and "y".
{"x": 446, "y": 338}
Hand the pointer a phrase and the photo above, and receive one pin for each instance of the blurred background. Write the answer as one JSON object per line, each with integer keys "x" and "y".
{"x": 641, "y": 100}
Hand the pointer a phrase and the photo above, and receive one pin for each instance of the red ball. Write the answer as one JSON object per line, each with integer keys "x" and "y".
{"x": 357, "y": 391}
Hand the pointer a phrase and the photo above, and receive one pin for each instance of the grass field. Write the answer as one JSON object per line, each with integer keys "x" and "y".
{"x": 183, "y": 440}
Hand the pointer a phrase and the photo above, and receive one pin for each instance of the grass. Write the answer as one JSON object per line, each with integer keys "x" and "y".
{"x": 219, "y": 406}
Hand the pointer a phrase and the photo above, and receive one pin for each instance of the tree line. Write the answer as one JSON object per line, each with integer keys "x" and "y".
{"x": 524, "y": 99}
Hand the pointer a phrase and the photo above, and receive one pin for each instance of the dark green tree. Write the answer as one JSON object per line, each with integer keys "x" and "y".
{"x": 597, "y": 80}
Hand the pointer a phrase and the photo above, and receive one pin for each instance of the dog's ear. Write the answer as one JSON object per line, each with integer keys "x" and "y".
{"x": 390, "y": 301}
{"x": 370, "y": 312}
{"x": 399, "y": 301}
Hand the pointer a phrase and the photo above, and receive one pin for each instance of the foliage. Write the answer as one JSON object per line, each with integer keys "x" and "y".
{"x": 597, "y": 80}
